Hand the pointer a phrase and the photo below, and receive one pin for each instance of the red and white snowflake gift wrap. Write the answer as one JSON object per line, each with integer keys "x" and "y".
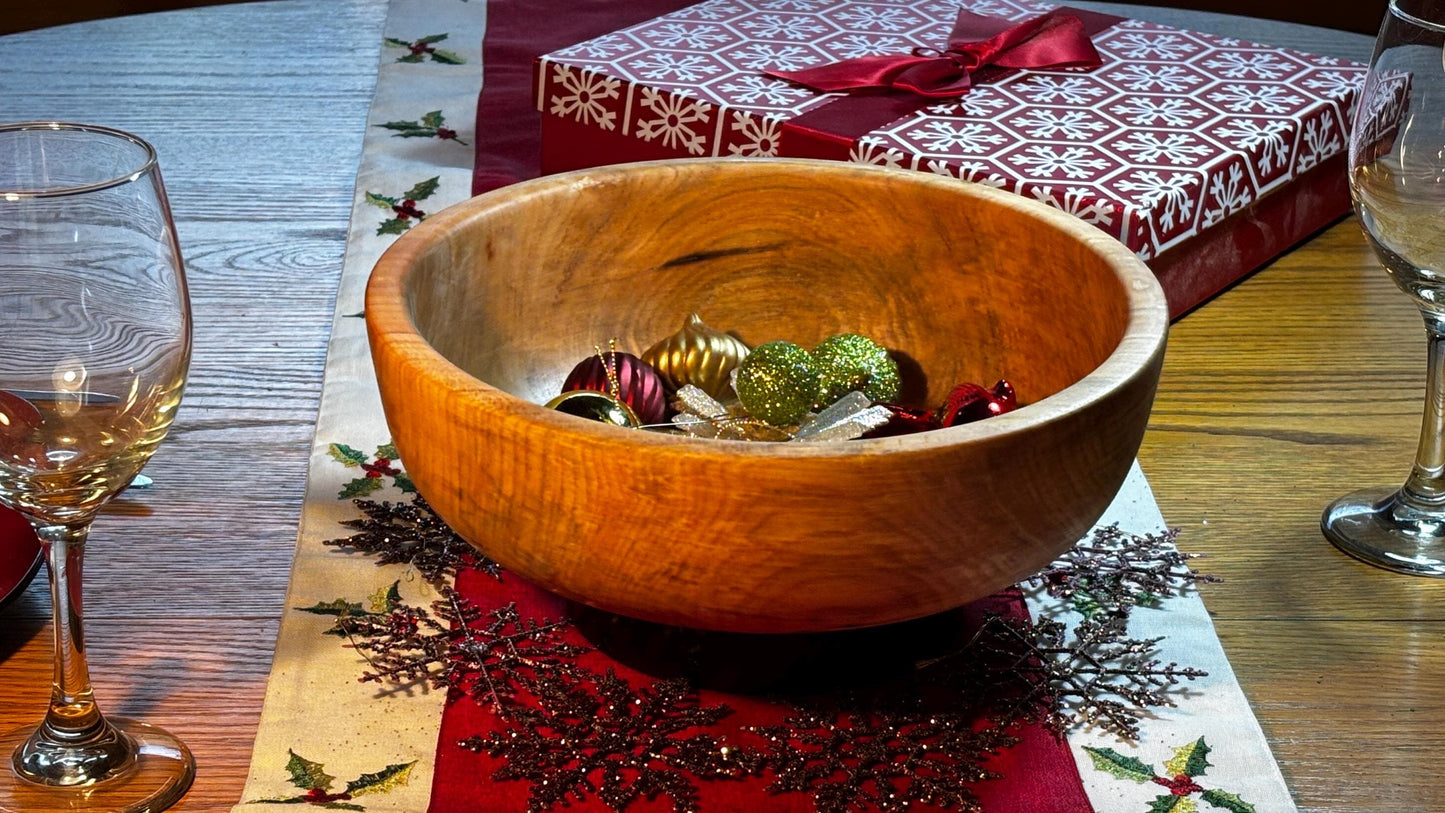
{"x": 1205, "y": 155}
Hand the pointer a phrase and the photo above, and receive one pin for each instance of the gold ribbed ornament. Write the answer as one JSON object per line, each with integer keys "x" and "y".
{"x": 698, "y": 355}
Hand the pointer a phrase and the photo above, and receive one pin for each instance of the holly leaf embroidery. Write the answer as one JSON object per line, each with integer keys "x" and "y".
{"x": 308, "y": 775}
{"x": 388, "y": 451}
{"x": 411, "y": 57}
{"x": 380, "y": 201}
{"x": 424, "y": 189}
{"x": 338, "y": 607}
{"x": 394, "y": 225}
{"x": 1172, "y": 804}
{"x": 386, "y": 779}
{"x": 385, "y": 599}
{"x": 360, "y": 487}
{"x": 346, "y": 456}
{"x": 1227, "y": 801}
{"x": 428, "y": 39}
{"x": 434, "y": 119}
{"x": 447, "y": 57}
{"x": 409, "y": 129}
{"x": 1189, "y": 759}
{"x": 1116, "y": 764}
{"x": 403, "y": 482}
{"x": 396, "y": 43}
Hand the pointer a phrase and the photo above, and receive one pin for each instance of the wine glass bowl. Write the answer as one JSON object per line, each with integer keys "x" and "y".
{"x": 1397, "y": 180}
{"x": 95, "y": 327}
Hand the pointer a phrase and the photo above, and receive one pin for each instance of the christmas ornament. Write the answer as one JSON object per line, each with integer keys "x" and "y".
{"x": 626, "y": 378}
{"x": 703, "y": 416}
{"x": 849, "y": 417}
{"x": 970, "y": 402}
{"x": 698, "y": 355}
{"x": 596, "y": 406}
{"x": 777, "y": 382}
{"x": 905, "y": 421}
{"x": 849, "y": 362}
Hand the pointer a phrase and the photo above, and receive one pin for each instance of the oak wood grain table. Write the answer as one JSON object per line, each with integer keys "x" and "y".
{"x": 1299, "y": 384}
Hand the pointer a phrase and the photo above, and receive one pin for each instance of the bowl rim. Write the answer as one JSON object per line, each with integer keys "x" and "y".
{"x": 1143, "y": 340}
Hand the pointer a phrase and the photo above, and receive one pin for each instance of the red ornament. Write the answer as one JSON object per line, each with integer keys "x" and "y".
{"x": 625, "y": 377}
{"x": 970, "y": 402}
{"x": 904, "y": 421}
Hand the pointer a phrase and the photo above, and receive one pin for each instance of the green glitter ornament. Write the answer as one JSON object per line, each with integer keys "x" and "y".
{"x": 777, "y": 383}
{"x": 849, "y": 362}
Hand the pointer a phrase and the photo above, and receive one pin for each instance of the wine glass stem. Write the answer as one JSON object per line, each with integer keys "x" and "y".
{"x": 74, "y": 745}
{"x": 1424, "y": 490}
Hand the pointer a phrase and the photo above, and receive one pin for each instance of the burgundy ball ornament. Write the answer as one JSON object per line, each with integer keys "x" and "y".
{"x": 627, "y": 378}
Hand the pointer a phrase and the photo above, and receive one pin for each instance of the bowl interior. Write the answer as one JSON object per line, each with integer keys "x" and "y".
{"x": 961, "y": 285}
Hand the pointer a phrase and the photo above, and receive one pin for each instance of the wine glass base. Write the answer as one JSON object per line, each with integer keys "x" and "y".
{"x": 1372, "y": 526}
{"x": 159, "y": 776}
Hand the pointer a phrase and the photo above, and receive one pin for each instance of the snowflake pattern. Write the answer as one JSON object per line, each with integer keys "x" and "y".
{"x": 1333, "y": 84}
{"x": 1147, "y": 111}
{"x": 1263, "y": 137}
{"x": 763, "y": 91}
{"x": 676, "y": 118}
{"x": 663, "y": 66}
{"x": 875, "y": 18}
{"x": 711, "y": 10}
{"x": 1255, "y": 98}
{"x": 871, "y": 150}
{"x": 582, "y": 97}
{"x": 1168, "y": 194}
{"x": 767, "y": 56}
{"x": 684, "y": 35}
{"x": 606, "y": 46}
{"x": 967, "y": 138}
{"x": 778, "y": 26}
{"x": 853, "y": 46}
{"x": 1145, "y": 78}
{"x": 1153, "y": 45}
{"x": 1319, "y": 140}
{"x": 761, "y": 136}
{"x": 1059, "y": 89}
{"x": 1047, "y": 160}
{"x": 1180, "y": 149}
{"x": 1238, "y": 65}
{"x": 1229, "y": 192}
{"x": 1071, "y": 125}
{"x": 1077, "y": 201}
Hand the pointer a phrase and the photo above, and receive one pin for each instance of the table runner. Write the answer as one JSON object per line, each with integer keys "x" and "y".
{"x": 1112, "y": 644}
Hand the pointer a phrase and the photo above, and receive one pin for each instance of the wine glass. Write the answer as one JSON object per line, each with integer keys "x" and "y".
{"x": 95, "y": 335}
{"x": 1397, "y": 178}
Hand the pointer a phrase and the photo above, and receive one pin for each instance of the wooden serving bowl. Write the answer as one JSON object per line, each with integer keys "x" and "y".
{"x": 477, "y": 314}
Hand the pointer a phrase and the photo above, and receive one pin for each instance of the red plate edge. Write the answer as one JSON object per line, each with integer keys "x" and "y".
{"x": 20, "y": 555}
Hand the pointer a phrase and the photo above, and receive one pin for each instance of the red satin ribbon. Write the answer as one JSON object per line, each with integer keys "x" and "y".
{"x": 1054, "y": 40}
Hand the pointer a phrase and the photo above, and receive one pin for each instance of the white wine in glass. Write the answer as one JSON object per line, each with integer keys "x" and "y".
{"x": 1397, "y": 178}
{"x": 95, "y": 338}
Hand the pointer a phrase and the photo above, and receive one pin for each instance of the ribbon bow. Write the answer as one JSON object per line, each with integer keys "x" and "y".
{"x": 1053, "y": 40}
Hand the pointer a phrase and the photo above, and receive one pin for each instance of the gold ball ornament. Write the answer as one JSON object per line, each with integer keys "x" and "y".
{"x": 850, "y": 362}
{"x": 596, "y": 406}
{"x": 777, "y": 383}
{"x": 698, "y": 355}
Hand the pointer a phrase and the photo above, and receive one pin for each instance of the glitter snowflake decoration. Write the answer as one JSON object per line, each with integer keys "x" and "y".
{"x": 1093, "y": 675}
{"x": 412, "y": 534}
{"x": 880, "y": 759}
{"x": 1112, "y": 571}
{"x": 604, "y": 739}
{"x": 490, "y": 656}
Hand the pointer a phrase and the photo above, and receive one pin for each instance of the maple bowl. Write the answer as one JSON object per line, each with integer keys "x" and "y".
{"x": 476, "y": 315}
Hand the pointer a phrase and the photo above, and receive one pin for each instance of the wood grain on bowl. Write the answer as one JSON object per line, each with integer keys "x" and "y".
{"x": 476, "y": 315}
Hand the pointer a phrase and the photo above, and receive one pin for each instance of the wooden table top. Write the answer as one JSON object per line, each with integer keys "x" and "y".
{"x": 1299, "y": 384}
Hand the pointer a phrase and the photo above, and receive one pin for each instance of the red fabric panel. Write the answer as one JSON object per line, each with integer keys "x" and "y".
{"x": 1040, "y": 774}
{"x": 519, "y": 31}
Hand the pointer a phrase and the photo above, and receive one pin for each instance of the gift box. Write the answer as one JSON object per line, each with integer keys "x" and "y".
{"x": 1205, "y": 155}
